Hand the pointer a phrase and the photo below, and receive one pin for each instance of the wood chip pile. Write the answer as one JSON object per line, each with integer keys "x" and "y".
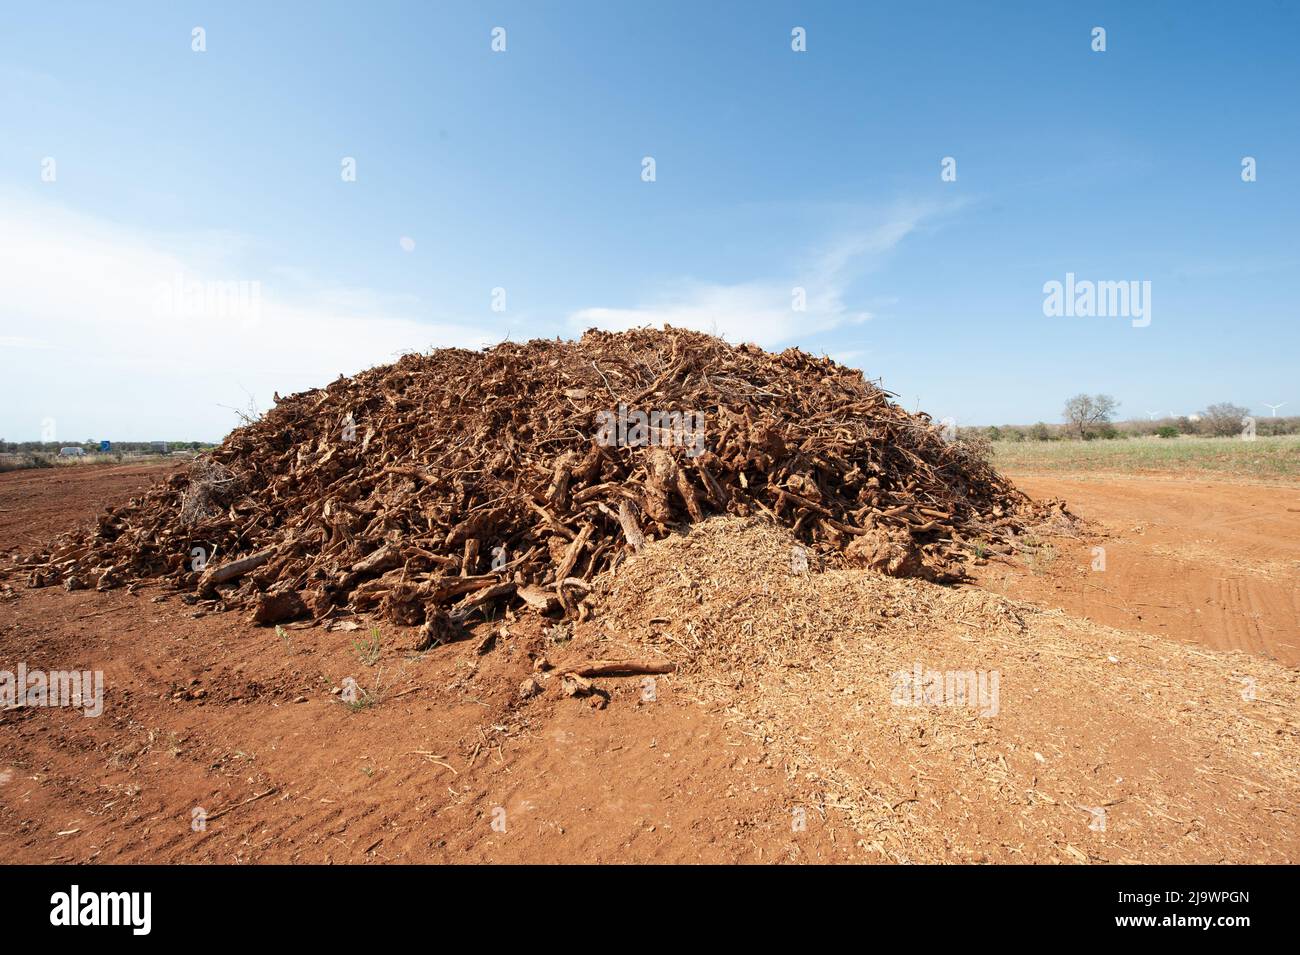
{"x": 446, "y": 484}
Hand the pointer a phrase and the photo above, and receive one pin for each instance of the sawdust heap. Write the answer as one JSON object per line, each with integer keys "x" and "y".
{"x": 447, "y": 483}
{"x": 1071, "y": 743}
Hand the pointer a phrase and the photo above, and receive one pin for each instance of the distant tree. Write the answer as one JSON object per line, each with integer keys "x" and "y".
{"x": 1085, "y": 412}
{"x": 1223, "y": 419}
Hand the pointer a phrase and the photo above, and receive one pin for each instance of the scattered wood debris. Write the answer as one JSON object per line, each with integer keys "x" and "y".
{"x": 447, "y": 484}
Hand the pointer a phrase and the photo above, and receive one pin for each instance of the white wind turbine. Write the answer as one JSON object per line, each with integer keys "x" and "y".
{"x": 1273, "y": 407}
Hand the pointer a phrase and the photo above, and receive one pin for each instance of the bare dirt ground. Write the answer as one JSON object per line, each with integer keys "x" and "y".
{"x": 36, "y": 504}
{"x": 1208, "y": 562}
{"x": 210, "y": 713}
{"x": 202, "y": 714}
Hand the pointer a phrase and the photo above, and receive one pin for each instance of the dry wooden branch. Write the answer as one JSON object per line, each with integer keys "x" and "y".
{"x": 235, "y": 568}
{"x": 619, "y": 668}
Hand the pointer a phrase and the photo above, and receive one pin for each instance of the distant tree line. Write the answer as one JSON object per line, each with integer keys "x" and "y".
{"x": 1087, "y": 417}
{"x": 91, "y": 446}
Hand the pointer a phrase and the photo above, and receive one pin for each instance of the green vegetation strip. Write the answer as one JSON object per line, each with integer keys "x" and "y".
{"x": 1264, "y": 457}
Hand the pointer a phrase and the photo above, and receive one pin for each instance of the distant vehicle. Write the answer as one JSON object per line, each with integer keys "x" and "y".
{"x": 71, "y": 452}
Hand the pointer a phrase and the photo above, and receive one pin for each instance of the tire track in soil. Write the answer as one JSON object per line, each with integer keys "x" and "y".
{"x": 1211, "y": 563}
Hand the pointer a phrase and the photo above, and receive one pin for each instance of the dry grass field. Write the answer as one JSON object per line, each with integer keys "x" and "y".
{"x": 1264, "y": 458}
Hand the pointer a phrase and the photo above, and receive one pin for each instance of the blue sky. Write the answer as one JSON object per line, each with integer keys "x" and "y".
{"x": 522, "y": 170}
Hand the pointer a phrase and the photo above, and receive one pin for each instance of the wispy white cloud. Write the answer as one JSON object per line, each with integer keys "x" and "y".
{"x": 22, "y": 341}
{"x": 764, "y": 311}
{"x": 134, "y": 335}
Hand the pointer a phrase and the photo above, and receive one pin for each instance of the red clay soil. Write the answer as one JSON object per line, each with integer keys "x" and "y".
{"x": 41, "y": 502}
{"x": 1212, "y": 563}
{"x": 206, "y": 712}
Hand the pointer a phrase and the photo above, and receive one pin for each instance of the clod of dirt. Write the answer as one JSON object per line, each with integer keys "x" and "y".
{"x": 438, "y": 628}
{"x": 277, "y": 608}
{"x": 574, "y": 685}
{"x": 447, "y": 484}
